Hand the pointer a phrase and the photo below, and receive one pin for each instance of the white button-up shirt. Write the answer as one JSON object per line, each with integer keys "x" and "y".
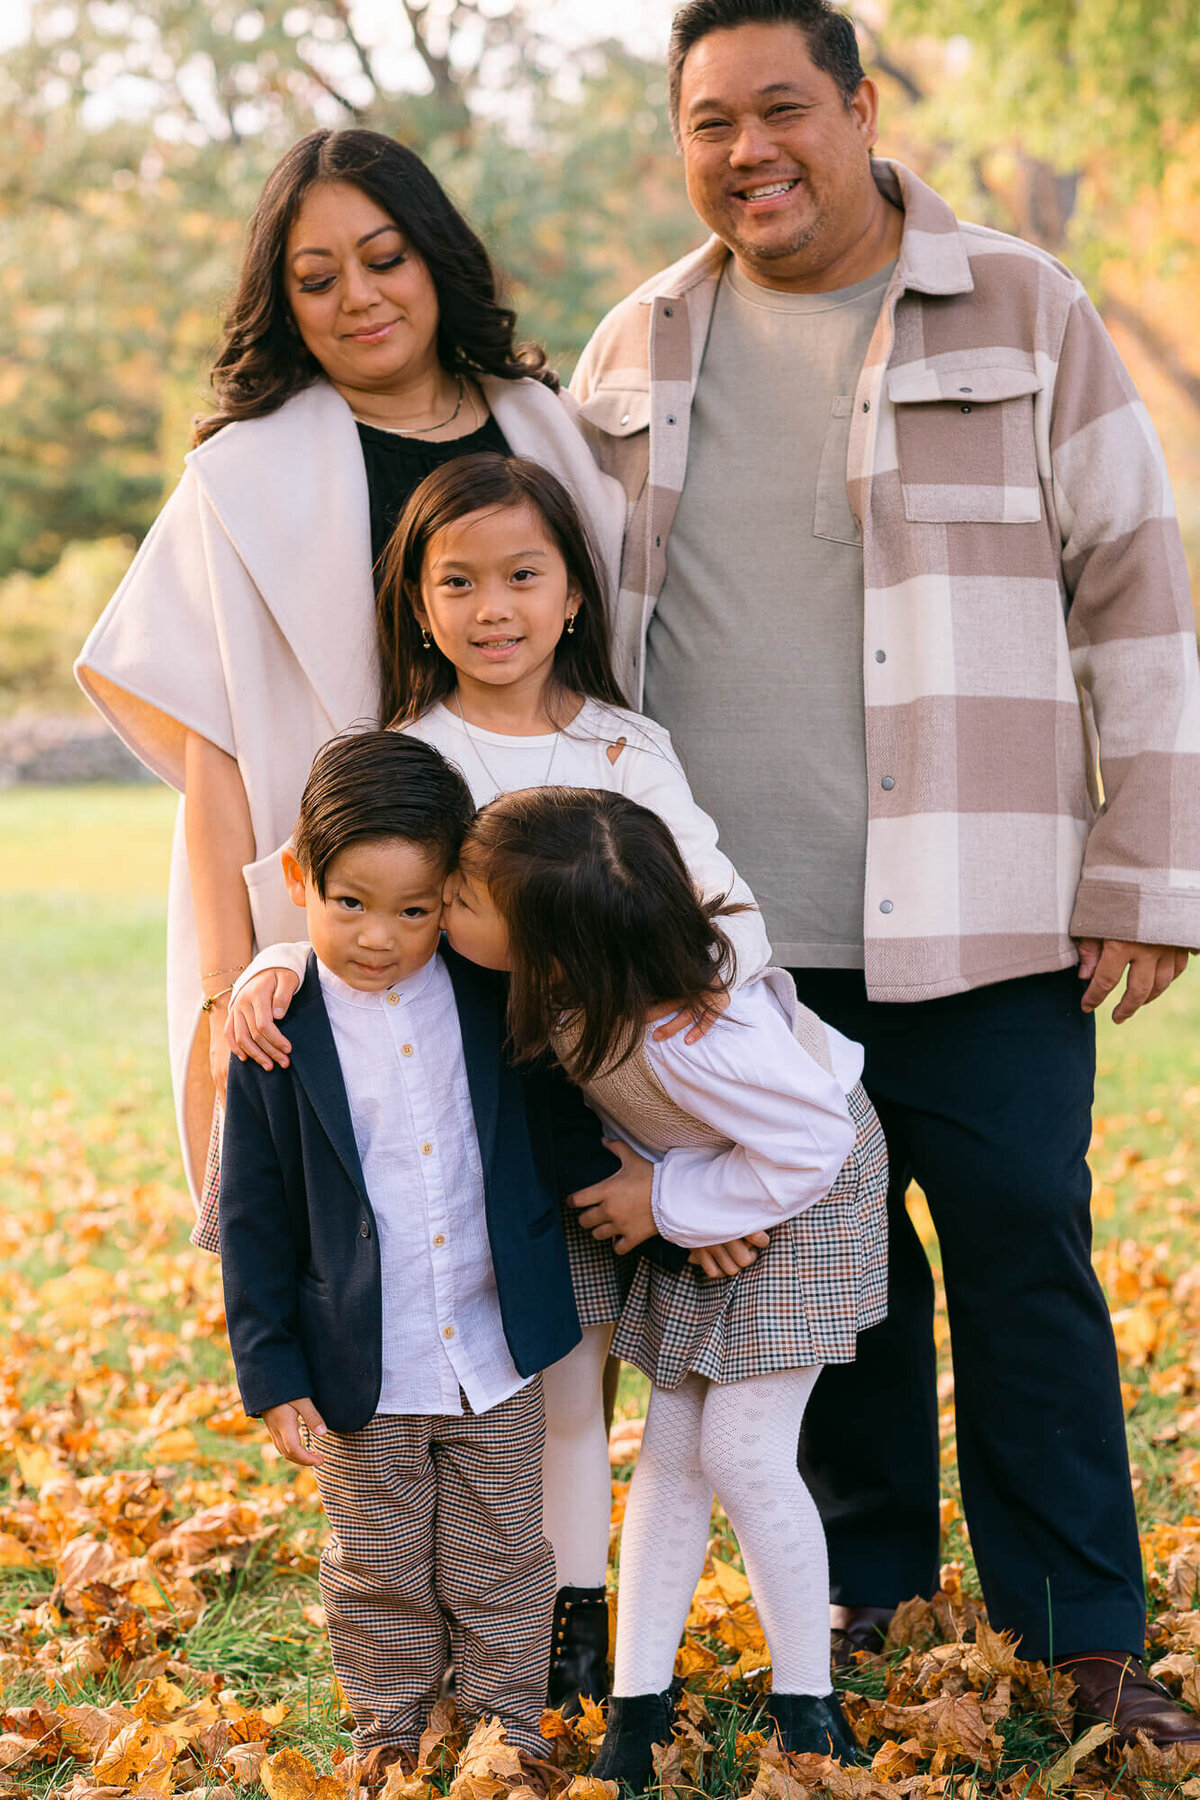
{"x": 406, "y": 1080}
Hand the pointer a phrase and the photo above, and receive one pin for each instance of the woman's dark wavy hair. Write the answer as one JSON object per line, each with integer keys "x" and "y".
{"x": 413, "y": 678}
{"x": 603, "y": 920}
{"x": 263, "y": 360}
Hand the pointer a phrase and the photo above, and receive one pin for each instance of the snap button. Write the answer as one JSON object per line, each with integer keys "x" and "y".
{"x": 866, "y": 406}
{"x": 888, "y": 782}
{"x": 885, "y": 906}
{"x": 670, "y": 418}
{"x": 364, "y": 1229}
{"x": 964, "y": 409}
{"x": 624, "y": 418}
{"x": 966, "y": 390}
{"x": 393, "y": 999}
{"x": 881, "y": 656}
{"x": 668, "y": 312}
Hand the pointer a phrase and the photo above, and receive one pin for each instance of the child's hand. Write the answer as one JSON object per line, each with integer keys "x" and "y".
{"x": 283, "y": 1423}
{"x": 250, "y": 1029}
{"x": 618, "y": 1208}
{"x": 730, "y": 1258}
{"x": 695, "y": 1020}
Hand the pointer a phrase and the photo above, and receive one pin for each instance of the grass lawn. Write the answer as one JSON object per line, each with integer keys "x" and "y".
{"x": 116, "y": 1358}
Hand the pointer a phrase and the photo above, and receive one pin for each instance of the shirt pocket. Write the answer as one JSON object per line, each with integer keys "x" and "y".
{"x": 617, "y": 427}
{"x": 965, "y": 445}
{"x": 832, "y": 517}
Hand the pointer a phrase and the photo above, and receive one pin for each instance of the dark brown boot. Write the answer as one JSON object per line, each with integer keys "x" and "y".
{"x": 859, "y": 1628}
{"x": 1115, "y": 1688}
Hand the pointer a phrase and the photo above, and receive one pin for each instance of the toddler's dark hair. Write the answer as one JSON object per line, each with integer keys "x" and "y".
{"x": 603, "y": 920}
{"x": 414, "y": 677}
{"x": 370, "y": 785}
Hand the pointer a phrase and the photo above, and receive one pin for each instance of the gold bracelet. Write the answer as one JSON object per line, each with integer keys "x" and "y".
{"x": 207, "y": 1004}
{"x": 233, "y": 969}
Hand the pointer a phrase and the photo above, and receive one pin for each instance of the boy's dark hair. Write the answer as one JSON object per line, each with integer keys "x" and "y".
{"x": 379, "y": 784}
{"x": 603, "y": 920}
{"x": 832, "y": 44}
{"x": 413, "y": 678}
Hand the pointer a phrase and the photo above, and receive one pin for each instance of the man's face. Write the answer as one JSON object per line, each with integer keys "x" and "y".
{"x": 777, "y": 165}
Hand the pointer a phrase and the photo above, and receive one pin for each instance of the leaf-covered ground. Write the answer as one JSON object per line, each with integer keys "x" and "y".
{"x": 160, "y": 1622}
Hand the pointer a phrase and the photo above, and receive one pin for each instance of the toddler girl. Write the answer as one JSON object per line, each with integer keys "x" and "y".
{"x": 761, "y": 1123}
{"x": 494, "y": 648}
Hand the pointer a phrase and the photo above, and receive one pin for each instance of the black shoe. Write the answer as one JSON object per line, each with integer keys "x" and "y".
{"x": 578, "y": 1649}
{"x": 812, "y": 1724}
{"x": 636, "y": 1723}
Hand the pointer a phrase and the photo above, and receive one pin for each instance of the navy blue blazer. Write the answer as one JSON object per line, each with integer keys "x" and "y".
{"x": 299, "y": 1243}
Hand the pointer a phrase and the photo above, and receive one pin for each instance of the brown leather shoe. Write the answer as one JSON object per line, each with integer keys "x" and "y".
{"x": 1117, "y": 1689}
{"x": 857, "y": 1628}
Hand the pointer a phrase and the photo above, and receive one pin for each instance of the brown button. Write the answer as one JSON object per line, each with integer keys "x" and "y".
{"x": 393, "y": 999}
{"x": 406, "y": 1049}
{"x": 426, "y": 1149}
{"x": 448, "y": 1332}
{"x": 438, "y": 1241}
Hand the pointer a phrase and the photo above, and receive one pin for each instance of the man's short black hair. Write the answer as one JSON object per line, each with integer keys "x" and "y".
{"x": 832, "y": 44}
{"x": 371, "y": 785}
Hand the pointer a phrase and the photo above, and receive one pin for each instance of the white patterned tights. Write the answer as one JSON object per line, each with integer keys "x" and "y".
{"x": 739, "y": 1442}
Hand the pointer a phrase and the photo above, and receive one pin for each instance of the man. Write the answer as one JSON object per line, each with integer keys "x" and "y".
{"x": 902, "y": 558}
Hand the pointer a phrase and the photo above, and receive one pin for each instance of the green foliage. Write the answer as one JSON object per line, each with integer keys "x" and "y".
{"x": 44, "y": 619}
{"x": 133, "y": 144}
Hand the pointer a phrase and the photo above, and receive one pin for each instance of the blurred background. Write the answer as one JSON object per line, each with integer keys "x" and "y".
{"x": 135, "y": 135}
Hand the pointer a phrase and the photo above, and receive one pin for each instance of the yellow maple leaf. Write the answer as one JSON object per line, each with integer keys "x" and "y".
{"x": 288, "y": 1775}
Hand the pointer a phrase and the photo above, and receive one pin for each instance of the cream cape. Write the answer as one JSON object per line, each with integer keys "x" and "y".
{"x": 248, "y": 616}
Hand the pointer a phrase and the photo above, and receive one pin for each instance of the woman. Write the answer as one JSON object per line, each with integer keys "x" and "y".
{"x": 365, "y": 344}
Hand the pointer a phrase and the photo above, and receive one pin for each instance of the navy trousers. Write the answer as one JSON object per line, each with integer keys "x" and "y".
{"x": 985, "y": 1099}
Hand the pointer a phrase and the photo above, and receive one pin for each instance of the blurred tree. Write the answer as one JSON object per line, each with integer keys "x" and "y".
{"x": 1072, "y": 123}
{"x": 134, "y": 139}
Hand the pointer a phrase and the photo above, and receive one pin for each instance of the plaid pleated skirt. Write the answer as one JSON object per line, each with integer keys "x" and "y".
{"x": 206, "y": 1232}
{"x": 821, "y": 1281}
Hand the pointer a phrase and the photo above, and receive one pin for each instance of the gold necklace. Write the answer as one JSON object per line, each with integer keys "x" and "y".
{"x": 420, "y": 430}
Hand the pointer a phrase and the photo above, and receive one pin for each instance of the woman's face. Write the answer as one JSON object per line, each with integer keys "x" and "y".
{"x": 363, "y": 300}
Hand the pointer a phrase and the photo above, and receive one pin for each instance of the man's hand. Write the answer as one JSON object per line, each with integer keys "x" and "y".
{"x": 730, "y": 1258}
{"x": 283, "y": 1423}
{"x": 618, "y": 1208}
{"x": 1152, "y": 969}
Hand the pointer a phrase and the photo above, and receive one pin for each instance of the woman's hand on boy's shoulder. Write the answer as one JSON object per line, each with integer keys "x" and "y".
{"x": 250, "y": 1028}
{"x": 284, "y": 1422}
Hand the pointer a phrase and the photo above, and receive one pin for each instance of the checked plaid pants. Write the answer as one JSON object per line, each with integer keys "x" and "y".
{"x": 437, "y": 1546}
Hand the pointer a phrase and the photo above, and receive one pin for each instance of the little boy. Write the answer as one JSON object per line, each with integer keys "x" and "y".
{"x": 394, "y": 1262}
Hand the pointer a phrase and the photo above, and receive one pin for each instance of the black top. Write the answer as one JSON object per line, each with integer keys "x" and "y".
{"x": 396, "y": 466}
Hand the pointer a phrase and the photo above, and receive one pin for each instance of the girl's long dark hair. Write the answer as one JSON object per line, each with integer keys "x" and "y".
{"x": 263, "y": 360}
{"x": 412, "y": 677}
{"x": 603, "y": 920}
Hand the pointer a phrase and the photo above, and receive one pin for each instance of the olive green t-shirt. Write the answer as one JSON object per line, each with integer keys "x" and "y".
{"x": 754, "y": 660}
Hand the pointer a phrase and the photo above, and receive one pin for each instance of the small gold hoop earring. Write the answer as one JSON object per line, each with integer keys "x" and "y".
{"x": 571, "y": 625}
{"x": 426, "y": 640}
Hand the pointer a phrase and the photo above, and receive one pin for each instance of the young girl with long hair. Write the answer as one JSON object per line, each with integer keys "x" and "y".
{"x": 760, "y": 1124}
{"x": 494, "y": 648}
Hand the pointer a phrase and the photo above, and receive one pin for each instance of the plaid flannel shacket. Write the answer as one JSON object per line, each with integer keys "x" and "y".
{"x": 1028, "y": 635}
